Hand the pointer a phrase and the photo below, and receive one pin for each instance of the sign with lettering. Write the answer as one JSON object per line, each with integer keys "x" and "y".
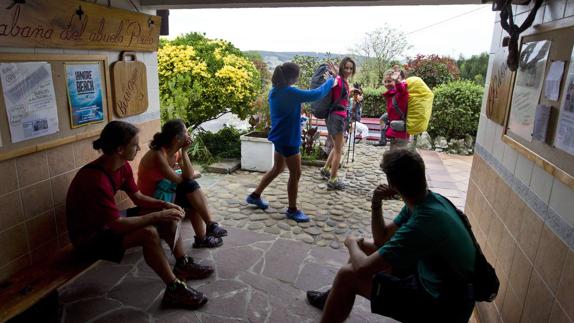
{"x": 499, "y": 88}
{"x": 85, "y": 97}
{"x": 129, "y": 81}
{"x": 75, "y": 24}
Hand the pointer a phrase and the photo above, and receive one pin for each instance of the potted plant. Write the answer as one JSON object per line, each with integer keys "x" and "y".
{"x": 256, "y": 151}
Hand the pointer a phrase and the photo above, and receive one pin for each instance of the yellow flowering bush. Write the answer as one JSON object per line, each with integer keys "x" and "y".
{"x": 201, "y": 79}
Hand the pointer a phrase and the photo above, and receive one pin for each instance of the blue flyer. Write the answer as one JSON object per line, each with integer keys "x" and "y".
{"x": 84, "y": 83}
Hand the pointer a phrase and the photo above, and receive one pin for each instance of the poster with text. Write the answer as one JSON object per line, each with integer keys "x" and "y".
{"x": 84, "y": 85}
{"x": 30, "y": 99}
{"x": 528, "y": 87}
{"x": 565, "y": 131}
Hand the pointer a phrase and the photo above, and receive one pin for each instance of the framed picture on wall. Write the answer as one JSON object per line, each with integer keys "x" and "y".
{"x": 565, "y": 133}
{"x": 85, "y": 95}
{"x": 528, "y": 87}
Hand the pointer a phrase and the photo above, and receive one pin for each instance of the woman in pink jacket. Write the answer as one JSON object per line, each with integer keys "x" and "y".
{"x": 397, "y": 97}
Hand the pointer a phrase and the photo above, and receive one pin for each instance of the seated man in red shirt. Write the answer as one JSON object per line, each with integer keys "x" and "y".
{"x": 98, "y": 228}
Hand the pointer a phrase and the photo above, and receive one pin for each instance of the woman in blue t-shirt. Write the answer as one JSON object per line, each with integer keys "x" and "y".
{"x": 285, "y": 109}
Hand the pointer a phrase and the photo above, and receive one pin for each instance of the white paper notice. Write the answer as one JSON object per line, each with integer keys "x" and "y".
{"x": 552, "y": 89}
{"x": 30, "y": 100}
{"x": 541, "y": 119}
{"x": 565, "y": 132}
{"x": 528, "y": 88}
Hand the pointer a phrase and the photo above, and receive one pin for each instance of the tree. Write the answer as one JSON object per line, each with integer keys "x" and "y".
{"x": 474, "y": 68}
{"x": 376, "y": 51}
{"x": 307, "y": 65}
{"x": 433, "y": 69}
{"x": 261, "y": 66}
{"x": 201, "y": 79}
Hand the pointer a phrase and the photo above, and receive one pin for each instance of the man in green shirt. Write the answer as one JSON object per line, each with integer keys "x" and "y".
{"x": 418, "y": 267}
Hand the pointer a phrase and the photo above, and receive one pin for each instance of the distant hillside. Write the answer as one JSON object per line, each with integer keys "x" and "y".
{"x": 273, "y": 59}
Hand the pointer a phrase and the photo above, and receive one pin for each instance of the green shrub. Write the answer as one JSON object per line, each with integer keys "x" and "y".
{"x": 209, "y": 147}
{"x": 373, "y": 102}
{"x": 456, "y": 109}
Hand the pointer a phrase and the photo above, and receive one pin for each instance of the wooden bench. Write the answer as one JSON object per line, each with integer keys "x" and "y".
{"x": 39, "y": 282}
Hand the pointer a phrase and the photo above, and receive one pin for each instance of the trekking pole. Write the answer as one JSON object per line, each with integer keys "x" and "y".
{"x": 354, "y": 133}
{"x": 349, "y": 147}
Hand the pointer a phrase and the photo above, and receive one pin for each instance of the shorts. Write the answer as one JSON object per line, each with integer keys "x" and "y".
{"x": 183, "y": 188}
{"x": 107, "y": 245}
{"x": 287, "y": 151}
{"x": 335, "y": 124}
{"x": 406, "y": 300}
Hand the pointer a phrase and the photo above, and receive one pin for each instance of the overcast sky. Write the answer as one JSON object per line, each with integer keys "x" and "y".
{"x": 445, "y": 30}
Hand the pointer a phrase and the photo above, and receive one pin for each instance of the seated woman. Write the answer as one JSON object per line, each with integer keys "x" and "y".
{"x": 168, "y": 151}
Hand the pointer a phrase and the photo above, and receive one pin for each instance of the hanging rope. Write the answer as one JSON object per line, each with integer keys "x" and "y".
{"x": 507, "y": 23}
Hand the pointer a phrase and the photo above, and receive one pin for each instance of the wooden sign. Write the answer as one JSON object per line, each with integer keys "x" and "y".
{"x": 499, "y": 88}
{"x": 129, "y": 80}
{"x": 75, "y": 24}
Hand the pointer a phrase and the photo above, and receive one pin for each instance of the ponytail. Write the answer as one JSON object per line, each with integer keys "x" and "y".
{"x": 285, "y": 75}
{"x": 115, "y": 134}
{"x": 169, "y": 130}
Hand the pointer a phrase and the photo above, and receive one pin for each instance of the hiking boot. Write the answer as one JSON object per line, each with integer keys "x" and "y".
{"x": 213, "y": 229}
{"x": 177, "y": 294}
{"x": 317, "y": 299}
{"x": 257, "y": 201}
{"x": 337, "y": 184}
{"x": 207, "y": 242}
{"x": 325, "y": 174}
{"x": 297, "y": 216}
{"x": 186, "y": 269}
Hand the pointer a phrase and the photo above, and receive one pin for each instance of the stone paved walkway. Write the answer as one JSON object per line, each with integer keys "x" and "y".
{"x": 334, "y": 214}
{"x": 267, "y": 262}
{"x": 259, "y": 278}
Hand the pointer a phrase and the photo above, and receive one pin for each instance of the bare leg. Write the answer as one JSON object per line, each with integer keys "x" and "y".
{"x": 330, "y": 157}
{"x": 278, "y": 167}
{"x": 196, "y": 222}
{"x": 149, "y": 239}
{"x": 341, "y": 298}
{"x": 337, "y": 153}
{"x": 294, "y": 165}
{"x": 199, "y": 204}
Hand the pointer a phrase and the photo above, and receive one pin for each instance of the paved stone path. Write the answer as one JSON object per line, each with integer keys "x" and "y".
{"x": 334, "y": 214}
{"x": 259, "y": 278}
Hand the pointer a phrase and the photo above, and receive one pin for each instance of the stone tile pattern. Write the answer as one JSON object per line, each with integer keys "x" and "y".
{"x": 334, "y": 214}
{"x": 259, "y": 278}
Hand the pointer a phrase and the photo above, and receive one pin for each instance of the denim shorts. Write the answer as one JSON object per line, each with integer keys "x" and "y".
{"x": 336, "y": 124}
{"x": 287, "y": 151}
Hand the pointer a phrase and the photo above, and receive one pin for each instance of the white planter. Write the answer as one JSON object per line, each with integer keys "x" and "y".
{"x": 256, "y": 153}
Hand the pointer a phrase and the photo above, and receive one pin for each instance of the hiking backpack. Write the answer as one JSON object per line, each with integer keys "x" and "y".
{"x": 420, "y": 105}
{"x": 322, "y": 107}
{"x": 485, "y": 284}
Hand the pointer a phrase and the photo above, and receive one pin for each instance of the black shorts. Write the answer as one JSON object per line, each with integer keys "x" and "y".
{"x": 183, "y": 188}
{"x": 406, "y": 300}
{"x": 107, "y": 245}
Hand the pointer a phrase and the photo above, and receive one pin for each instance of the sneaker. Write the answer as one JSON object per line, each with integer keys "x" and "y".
{"x": 317, "y": 299}
{"x": 207, "y": 242}
{"x": 297, "y": 216}
{"x": 213, "y": 229}
{"x": 325, "y": 174}
{"x": 186, "y": 269}
{"x": 259, "y": 202}
{"x": 337, "y": 184}
{"x": 179, "y": 295}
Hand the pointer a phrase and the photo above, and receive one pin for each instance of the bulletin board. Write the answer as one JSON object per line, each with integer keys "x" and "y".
{"x": 543, "y": 152}
{"x": 68, "y": 131}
